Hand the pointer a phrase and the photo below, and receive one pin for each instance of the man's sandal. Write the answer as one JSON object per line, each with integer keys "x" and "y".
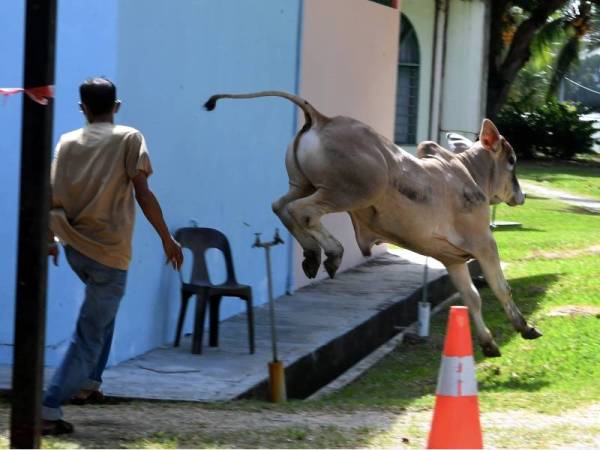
{"x": 93, "y": 398}
{"x": 56, "y": 427}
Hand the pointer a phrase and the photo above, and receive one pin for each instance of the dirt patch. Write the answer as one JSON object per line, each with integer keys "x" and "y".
{"x": 125, "y": 425}
{"x": 574, "y": 310}
{"x": 563, "y": 254}
{"x": 116, "y": 426}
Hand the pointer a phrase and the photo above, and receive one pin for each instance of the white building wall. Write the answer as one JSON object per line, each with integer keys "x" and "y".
{"x": 463, "y": 92}
{"x": 463, "y": 88}
{"x": 349, "y": 57}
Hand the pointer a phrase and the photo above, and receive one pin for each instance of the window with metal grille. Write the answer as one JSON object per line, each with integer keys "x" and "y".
{"x": 407, "y": 85}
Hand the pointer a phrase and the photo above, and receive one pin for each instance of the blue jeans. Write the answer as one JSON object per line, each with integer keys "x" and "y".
{"x": 85, "y": 360}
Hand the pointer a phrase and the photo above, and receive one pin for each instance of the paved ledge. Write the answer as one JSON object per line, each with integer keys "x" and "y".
{"x": 323, "y": 329}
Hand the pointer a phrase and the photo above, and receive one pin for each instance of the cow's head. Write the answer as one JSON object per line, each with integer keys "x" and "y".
{"x": 504, "y": 186}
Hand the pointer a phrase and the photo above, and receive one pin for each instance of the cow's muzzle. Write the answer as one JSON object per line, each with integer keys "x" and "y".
{"x": 517, "y": 200}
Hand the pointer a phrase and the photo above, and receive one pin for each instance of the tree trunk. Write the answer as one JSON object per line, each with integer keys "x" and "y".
{"x": 503, "y": 71}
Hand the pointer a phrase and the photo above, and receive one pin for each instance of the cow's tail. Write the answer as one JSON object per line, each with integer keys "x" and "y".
{"x": 311, "y": 115}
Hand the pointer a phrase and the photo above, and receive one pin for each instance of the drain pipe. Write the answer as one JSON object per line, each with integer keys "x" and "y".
{"x": 438, "y": 63}
{"x": 438, "y": 66}
{"x": 291, "y": 245}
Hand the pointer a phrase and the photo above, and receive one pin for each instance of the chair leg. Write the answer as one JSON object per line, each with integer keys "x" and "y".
{"x": 250, "y": 317}
{"x": 214, "y": 305}
{"x": 201, "y": 300}
{"x": 185, "y": 297}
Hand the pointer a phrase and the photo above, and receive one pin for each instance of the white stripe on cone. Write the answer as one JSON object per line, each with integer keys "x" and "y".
{"x": 457, "y": 377}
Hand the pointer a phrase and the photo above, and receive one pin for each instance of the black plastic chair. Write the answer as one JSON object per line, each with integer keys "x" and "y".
{"x": 199, "y": 240}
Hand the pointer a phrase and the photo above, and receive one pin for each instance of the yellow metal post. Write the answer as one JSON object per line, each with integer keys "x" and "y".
{"x": 277, "y": 382}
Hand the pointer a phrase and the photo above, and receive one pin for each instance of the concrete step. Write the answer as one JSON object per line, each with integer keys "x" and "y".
{"x": 323, "y": 329}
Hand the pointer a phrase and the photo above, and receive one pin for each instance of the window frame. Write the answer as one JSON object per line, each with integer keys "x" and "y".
{"x": 412, "y": 106}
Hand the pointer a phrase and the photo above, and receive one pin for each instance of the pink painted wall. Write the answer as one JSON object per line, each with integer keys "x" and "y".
{"x": 349, "y": 57}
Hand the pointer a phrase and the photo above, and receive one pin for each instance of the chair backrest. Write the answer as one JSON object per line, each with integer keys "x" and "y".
{"x": 199, "y": 240}
{"x": 458, "y": 143}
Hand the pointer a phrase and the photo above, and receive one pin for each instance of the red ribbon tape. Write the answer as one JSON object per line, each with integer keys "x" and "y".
{"x": 39, "y": 94}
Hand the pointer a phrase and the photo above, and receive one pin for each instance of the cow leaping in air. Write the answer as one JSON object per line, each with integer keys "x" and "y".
{"x": 436, "y": 204}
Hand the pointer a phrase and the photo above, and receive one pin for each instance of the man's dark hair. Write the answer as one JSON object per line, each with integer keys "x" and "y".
{"x": 98, "y": 95}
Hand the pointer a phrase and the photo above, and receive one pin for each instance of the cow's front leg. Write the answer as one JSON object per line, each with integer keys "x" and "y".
{"x": 490, "y": 264}
{"x": 311, "y": 248}
{"x": 308, "y": 212}
{"x": 461, "y": 278}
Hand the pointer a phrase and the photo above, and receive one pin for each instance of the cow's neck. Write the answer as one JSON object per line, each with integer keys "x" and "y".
{"x": 480, "y": 165}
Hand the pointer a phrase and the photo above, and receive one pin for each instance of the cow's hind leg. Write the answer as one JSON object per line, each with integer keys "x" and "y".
{"x": 490, "y": 264}
{"x": 311, "y": 248}
{"x": 461, "y": 278}
{"x": 307, "y": 212}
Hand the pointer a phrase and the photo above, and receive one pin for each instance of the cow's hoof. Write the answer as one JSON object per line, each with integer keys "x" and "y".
{"x": 490, "y": 350}
{"x": 531, "y": 333}
{"x": 310, "y": 265}
{"x": 332, "y": 264}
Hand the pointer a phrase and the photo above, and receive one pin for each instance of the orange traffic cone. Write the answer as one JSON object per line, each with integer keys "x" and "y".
{"x": 456, "y": 414}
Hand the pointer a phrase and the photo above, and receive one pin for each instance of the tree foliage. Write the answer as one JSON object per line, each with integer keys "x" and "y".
{"x": 548, "y": 31}
{"x": 553, "y": 129}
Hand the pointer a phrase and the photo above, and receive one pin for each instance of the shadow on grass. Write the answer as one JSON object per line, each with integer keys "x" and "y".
{"x": 495, "y": 383}
{"x": 582, "y": 210}
{"x": 588, "y": 165}
{"x": 516, "y": 228}
{"x": 534, "y": 197}
{"x": 408, "y": 375}
{"x": 527, "y": 291}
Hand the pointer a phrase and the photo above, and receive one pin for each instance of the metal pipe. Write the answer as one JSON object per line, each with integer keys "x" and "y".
{"x": 437, "y": 137}
{"x": 276, "y": 368}
{"x": 432, "y": 89}
{"x": 438, "y": 62}
{"x": 424, "y": 306}
{"x": 32, "y": 264}
{"x": 425, "y": 278}
{"x": 267, "y": 246}
{"x": 271, "y": 305}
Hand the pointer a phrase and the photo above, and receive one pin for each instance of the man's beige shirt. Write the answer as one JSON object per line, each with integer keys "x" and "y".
{"x": 93, "y": 206}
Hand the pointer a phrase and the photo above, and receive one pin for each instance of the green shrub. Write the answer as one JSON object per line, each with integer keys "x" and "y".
{"x": 553, "y": 129}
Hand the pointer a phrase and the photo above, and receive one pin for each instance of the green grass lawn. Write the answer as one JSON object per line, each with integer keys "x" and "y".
{"x": 578, "y": 177}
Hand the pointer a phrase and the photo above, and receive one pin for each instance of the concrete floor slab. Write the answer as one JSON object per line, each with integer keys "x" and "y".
{"x": 323, "y": 329}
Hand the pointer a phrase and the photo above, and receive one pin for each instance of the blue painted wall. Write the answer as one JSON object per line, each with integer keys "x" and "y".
{"x": 11, "y": 75}
{"x": 86, "y": 42}
{"x": 222, "y": 169}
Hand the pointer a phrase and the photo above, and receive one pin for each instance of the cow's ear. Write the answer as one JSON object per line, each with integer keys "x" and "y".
{"x": 458, "y": 143}
{"x": 489, "y": 135}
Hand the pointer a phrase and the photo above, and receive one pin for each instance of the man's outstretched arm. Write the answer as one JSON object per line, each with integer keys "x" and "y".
{"x": 151, "y": 208}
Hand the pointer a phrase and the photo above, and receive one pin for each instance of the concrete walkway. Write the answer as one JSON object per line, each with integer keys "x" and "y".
{"x": 324, "y": 329}
{"x": 588, "y": 204}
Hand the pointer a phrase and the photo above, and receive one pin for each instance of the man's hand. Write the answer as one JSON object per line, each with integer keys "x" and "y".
{"x": 53, "y": 251}
{"x": 173, "y": 252}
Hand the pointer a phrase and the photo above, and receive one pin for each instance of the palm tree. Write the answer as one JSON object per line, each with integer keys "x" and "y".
{"x": 538, "y": 29}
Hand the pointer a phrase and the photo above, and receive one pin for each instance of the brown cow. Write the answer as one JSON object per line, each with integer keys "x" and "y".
{"x": 436, "y": 204}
